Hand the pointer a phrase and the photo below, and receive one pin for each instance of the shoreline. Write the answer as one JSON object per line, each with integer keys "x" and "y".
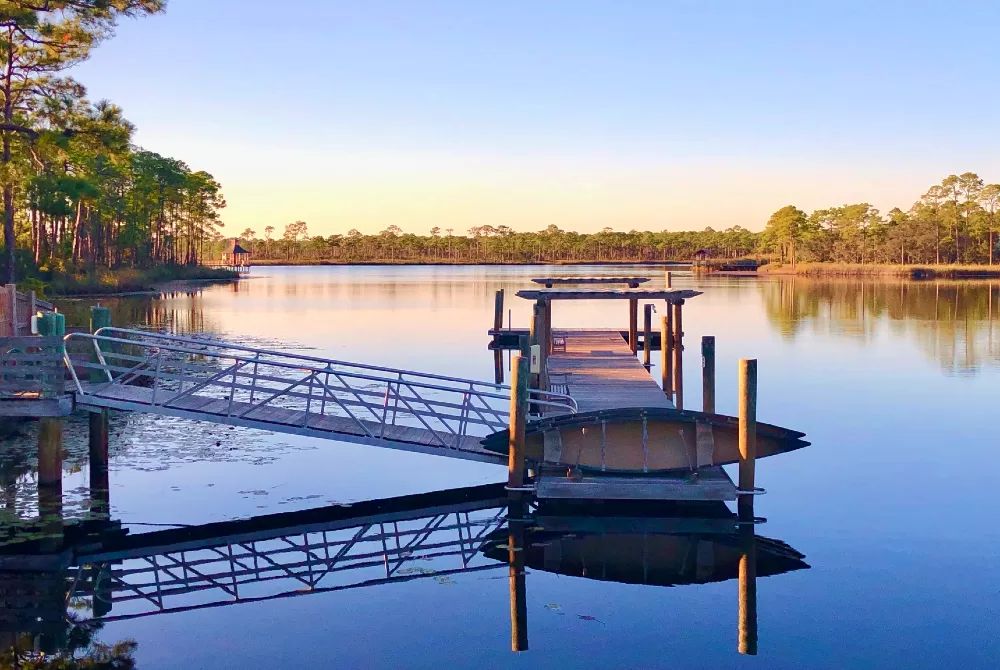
{"x": 134, "y": 282}
{"x": 301, "y": 263}
{"x": 857, "y": 270}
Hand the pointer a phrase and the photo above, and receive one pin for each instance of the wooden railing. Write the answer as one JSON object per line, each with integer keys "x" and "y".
{"x": 32, "y": 367}
{"x": 16, "y": 310}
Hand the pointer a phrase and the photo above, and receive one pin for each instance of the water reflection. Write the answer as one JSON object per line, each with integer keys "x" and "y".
{"x": 99, "y": 572}
{"x": 951, "y": 322}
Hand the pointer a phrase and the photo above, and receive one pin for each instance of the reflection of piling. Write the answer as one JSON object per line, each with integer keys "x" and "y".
{"x": 747, "y": 437}
{"x": 678, "y": 348}
{"x": 633, "y": 324}
{"x": 50, "y": 512}
{"x": 498, "y": 366}
{"x": 748, "y": 592}
{"x": 647, "y": 329}
{"x": 708, "y": 374}
{"x": 516, "y": 511}
{"x": 518, "y": 417}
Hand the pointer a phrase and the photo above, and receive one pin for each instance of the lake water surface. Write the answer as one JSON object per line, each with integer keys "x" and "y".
{"x": 895, "y": 384}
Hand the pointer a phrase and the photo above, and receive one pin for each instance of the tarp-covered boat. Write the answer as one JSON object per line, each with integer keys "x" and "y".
{"x": 642, "y": 440}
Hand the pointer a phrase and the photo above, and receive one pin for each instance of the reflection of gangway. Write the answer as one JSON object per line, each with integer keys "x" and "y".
{"x": 292, "y": 393}
{"x": 281, "y": 555}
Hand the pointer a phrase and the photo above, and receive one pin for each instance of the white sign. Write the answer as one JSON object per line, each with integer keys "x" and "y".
{"x": 536, "y": 359}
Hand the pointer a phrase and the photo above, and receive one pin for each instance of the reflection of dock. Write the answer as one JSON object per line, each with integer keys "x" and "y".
{"x": 440, "y": 536}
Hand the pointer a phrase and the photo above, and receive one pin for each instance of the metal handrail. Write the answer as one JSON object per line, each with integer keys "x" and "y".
{"x": 537, "y": 396}
{"x": 182, "y": 371}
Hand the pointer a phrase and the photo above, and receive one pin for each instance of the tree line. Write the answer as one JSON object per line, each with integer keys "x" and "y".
{"x": 954, "y": 222}
{"x": 78, "y": 195}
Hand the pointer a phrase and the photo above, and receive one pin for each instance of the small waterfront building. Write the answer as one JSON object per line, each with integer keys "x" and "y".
{"x": 235, "y": 255}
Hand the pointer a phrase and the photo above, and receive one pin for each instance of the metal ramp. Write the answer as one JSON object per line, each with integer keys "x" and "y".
{"x": 220, "y": 382}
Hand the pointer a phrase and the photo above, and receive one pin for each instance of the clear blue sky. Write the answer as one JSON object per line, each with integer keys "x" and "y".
{"x": 634, "y": 114}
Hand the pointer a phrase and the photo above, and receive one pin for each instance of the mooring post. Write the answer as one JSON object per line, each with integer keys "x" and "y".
{"x": 516, "y": 512}
{"x": 708, "y": 374}
{"x": 50, "y": 451}
{"x": 678, "y": 347}
{"x": 99, "y": 479}
{"x": 534, "y": 331}
{"x": 647, "y": 334}
{"x": 666, "y": 365}
{"x": 747, "y": 625}
{"x": 545, "y": 342}
{"x": 517, "y": 420}
{"x": 747, "y": 437}
{"x": 668, "y": 279}
{"x": 498, "y": 313}
{"x": 633, "y": 324}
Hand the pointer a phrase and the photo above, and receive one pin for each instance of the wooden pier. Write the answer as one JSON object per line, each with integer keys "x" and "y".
{"x": 599, "y": 371}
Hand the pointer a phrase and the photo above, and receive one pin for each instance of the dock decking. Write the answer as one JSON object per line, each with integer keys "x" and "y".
{"x": 599, "y": 370}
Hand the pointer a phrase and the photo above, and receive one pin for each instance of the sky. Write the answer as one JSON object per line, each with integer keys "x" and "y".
{"x": 646, "y": 115}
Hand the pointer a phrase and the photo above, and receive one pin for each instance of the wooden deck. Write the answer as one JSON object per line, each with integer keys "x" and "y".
{"x": 599, "y": 371}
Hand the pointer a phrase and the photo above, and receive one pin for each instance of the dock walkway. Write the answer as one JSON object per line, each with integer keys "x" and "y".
{"x": 599, "y": 371}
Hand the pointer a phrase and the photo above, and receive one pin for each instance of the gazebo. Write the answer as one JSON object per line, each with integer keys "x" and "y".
{"x": 235, "y": 255}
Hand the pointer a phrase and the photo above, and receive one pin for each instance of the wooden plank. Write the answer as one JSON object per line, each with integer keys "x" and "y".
{"x": 606, "y": 294}
{"x": 710, "y": 484}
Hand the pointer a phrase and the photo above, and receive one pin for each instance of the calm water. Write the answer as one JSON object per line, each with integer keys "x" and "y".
{"x": 894, "y": 383}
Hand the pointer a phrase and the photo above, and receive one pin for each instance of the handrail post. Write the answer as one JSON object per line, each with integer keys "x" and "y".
{"x": 156, "y": 376}
{"x": 309, "y": 397}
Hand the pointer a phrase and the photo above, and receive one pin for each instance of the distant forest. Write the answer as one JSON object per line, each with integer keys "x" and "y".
{"x": 954, "y": 222}
{"x": 78, "y": 195}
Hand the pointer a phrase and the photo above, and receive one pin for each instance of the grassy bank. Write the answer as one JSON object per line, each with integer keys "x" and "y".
{"x": 108, "y": 282}
{"x": 868, "y": 270}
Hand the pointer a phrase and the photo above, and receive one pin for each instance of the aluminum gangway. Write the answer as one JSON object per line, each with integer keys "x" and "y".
{"x": 232, "y": 384}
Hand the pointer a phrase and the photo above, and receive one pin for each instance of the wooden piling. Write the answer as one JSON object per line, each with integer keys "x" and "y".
{"x": 99, "y": 480}
{"x": 545, "y": 344}
{"x": 678, "y": 349}
{"x": 708, "y": 374}
{"x": 534, "y": 331}
{"x": 49, "y": 451}
{"x": 516, "y": 511}
{"x": 518, "y": 417}
{"x": 647, "y": 330}
{"x": 498, "y": 311}
{"x": 747, "y": 437}
{"x": 633, "y": 324}
{"x": 666, "y": 353}
{"x": 747, "y": 625}
{"x": 668, "y": 279}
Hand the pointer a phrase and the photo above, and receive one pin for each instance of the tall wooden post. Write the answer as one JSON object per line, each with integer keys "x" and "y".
{"x": 518, "y": 417}
{"x": 633, "y": 324}
{"x": 747, "y": 625}
{"x": 498, "y": 310}
{"x": 678, "y": 346}
{"x": 747, "y": 437}
{"x": 516, "y": 510}
{"x": 666, "y": 356}
{"x": 534, "y": 332}
{"x": 668, "y": 279}
{"x": 647, "y": 334}
{"x": 545, "y": 343}
{"x": 708, "y": 374}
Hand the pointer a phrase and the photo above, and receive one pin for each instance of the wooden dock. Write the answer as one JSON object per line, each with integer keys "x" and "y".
{"x": 598, "y": 369}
